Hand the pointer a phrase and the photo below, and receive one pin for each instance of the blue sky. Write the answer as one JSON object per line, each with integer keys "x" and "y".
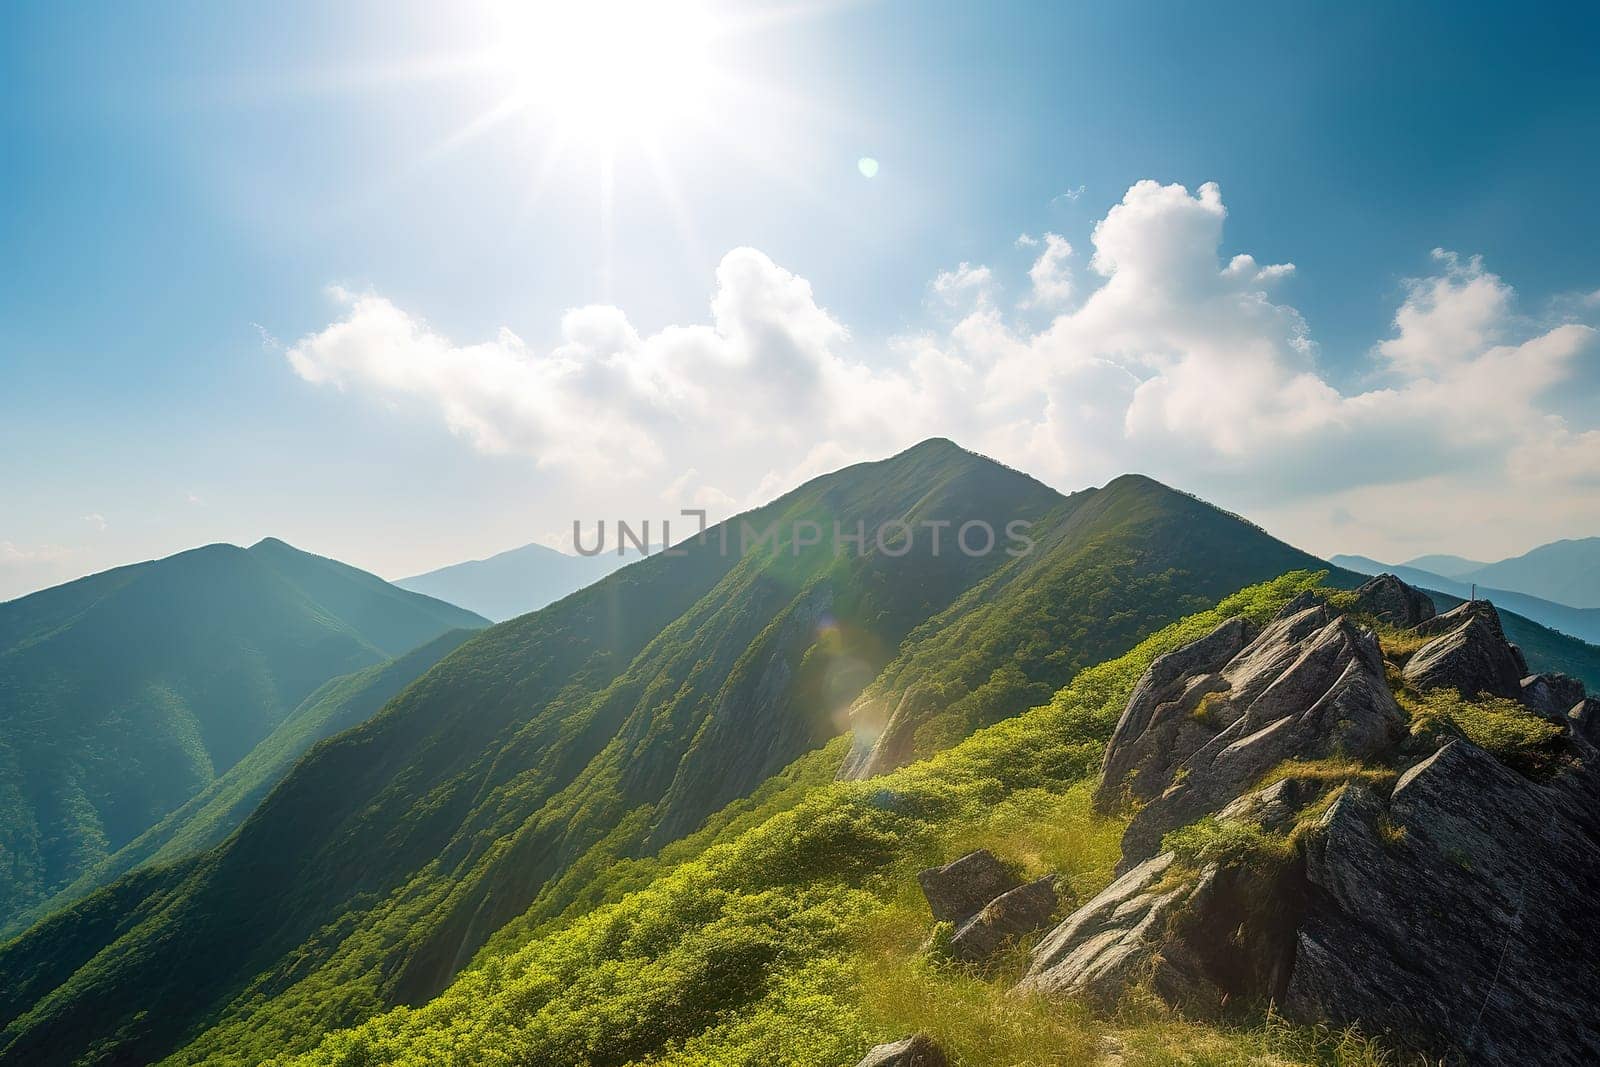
{"x": 189, "y": 188}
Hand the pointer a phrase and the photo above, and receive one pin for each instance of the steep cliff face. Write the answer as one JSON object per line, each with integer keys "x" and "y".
{"x": 1423, "y": 867}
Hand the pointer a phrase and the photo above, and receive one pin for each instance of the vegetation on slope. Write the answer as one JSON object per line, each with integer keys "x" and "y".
{"x": 798, "y": 939}
{"x": 214, "y": 812}
{"x": 1125, "y": 560}
{"x": 124, "y": 694}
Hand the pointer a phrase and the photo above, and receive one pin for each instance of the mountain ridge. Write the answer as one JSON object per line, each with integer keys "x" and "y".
{"x": 123, "y": 694}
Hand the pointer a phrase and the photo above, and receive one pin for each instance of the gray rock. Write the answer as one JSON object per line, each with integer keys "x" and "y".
{"x": 1584, "y": 720}
{"x": 1471, "y": 656}
{"x": 918, "y": 1050}
{"x": 1123, "y": 937}
{"x": 1552, "y": 695}
{"x": 1393, "y": 601}
{"x": 1158, "y": 728}
{"x": 1455, "y": 916}
{"x": 960, "y": 889}
{"x": 1274, "y": 808}
{"x": 1308, "y": 687}
{"x": 1009, "y": 915}
{"x": 1460, "y": 915}
{"x": 1449, "y": 620}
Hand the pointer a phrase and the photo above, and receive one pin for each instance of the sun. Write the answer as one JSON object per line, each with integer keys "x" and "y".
{"x": 608, "y": 70}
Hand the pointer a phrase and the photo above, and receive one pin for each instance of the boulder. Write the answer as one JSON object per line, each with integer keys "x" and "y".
{"x": 1009, "y": 915}
{"x": 1309, "y": 687}
{"x": 918, "y": 1050}
{"x": 1390, "y": 600}
{"x": 1124, "y": 937}
{"x": 1552, "y": 695}
{"x": 1471, "y": 656}
{"x": 960, "y": 889}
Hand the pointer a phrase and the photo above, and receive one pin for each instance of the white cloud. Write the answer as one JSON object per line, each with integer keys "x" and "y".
{"x": 1178, "y": 362}
{"x": 963, "y": 285}
{"x": 97, "y": 520}
{"x": 1050, "y": 275}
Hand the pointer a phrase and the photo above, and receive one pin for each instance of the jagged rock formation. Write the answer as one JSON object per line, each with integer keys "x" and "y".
{"x": 1160, "y": 726}
{"x": 961, "y": 888}
{"x": 1310, "y": 685}
{"x": 1469, "y": 923}
{"x": 918, "y": 1050}
{"x": 1471, "y": 654}
{"x": 1451, "y": 912}
{"x": 1390, "y": 600}
{"x": 1584, "y": 720}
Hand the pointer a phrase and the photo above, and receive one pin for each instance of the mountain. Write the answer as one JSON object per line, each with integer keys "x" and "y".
{"x": 1567, "y": 572}
{"x": 218, "y": 809}
{"x": 1360, "y": 564}
{"x": 1581, "y": 623}
{"x": 1449, "y": 566}
{"x": 1343, "y": 844}
{"x": 515, "y": 582}
{"x": 125, "y": 694}
{"x": 607, "y": 725}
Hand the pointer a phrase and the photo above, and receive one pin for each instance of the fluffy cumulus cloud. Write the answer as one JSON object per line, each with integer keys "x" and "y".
{"x": 1166, "y": 355}
{"x": 1050, "y": 275}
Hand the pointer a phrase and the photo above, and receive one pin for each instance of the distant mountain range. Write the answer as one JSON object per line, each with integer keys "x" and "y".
{"x": 515, "y": 582}
{"x": 1562, "y": 572}
{"x": 128, "y": 694}
{"x": 1567, "y": 572}
{"x": 1582, "y": 623}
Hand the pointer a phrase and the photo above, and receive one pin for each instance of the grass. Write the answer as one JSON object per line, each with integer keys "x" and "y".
{"x": 1212, "y": 840}
{"x": 1332, "y": 771}
{"x": 1503, "y": 728}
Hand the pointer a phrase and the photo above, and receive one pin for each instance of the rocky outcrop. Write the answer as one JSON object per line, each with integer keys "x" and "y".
{"x": 1309, "y": 686}
{"x": 1471, "y": 654}
{"x": 960, "y": 889}
{"x": 1458, "y": 915}
{"x": 918, "y": 1050}
{"x": 1390, "y": 600}
{"x": 1006, "y": 917}
{"x": 1452, "y": 912}
{"x": 1160, "y": 722}
{"x": 1552, "y": 695}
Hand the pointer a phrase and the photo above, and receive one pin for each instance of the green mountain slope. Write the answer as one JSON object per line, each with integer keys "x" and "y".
{"x": 220, "y": 807}
{"x": 1127, "y": 560}
{"x": 791, "y": 932}
{"x": 604, "y": 726}
{"x": 125, "y": 694}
